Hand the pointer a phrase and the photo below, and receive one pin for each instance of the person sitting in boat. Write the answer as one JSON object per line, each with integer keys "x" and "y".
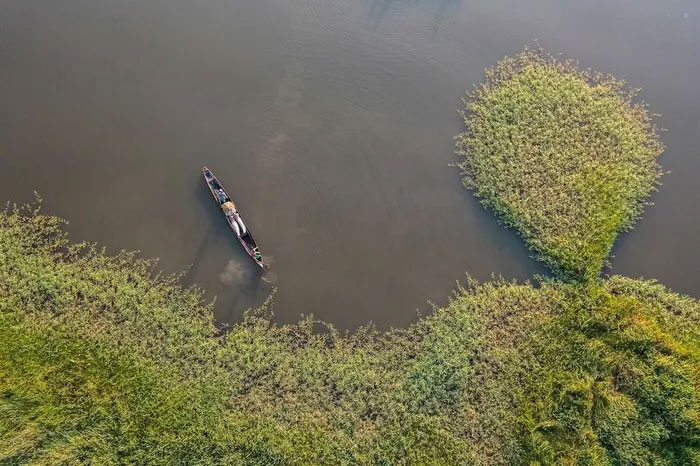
{"x": 257, "y": 254}
{"x": 230, "y": 210}
{"x": 221, "y": 195}
{"x": 239, "y": 222}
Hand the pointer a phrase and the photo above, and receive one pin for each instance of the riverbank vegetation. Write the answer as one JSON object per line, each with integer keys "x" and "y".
{"x": 565, "y": 156}
{"x": 103, "y": 362}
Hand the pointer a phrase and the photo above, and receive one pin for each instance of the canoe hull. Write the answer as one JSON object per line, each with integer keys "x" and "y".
{"x": 240, "y": 229}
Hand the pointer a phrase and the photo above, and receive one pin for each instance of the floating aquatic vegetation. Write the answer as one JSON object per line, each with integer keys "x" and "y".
{"x": 563, "y": 155}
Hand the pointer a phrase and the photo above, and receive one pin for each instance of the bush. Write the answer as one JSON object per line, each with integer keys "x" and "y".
{"x": 617, "y": 380}
{"x": 104, "y": 362}
{"x": 562, "y": 155}
{"x": 100, "y": 362}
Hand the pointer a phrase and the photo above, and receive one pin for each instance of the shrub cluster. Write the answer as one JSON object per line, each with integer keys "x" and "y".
{"x": 562, "y": 155}
{"x": 103, "y": 362}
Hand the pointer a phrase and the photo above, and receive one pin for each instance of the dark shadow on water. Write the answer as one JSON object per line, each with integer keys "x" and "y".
{"x": 237, "y": 284}
{"x": 508, "y": 240}
{"x": 200, "y": 252}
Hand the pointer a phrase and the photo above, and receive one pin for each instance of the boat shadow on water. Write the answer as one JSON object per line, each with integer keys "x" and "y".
{"x": 215, "y": 244}
{"x": 221, "y": 268}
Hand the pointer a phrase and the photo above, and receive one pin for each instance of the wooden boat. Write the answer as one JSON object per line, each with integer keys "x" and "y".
{"x": 223, "y": 200}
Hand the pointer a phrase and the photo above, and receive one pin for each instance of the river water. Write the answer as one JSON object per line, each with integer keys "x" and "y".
{"x": 331, "y": 123}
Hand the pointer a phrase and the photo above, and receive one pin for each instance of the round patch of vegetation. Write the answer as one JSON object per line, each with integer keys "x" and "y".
{"x": 563, "y": 155}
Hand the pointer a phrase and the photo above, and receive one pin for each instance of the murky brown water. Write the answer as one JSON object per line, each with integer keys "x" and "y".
{"x": 331, "y": 124}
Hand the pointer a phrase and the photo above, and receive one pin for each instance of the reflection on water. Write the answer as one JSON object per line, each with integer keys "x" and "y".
{"x": 233, "y": 273}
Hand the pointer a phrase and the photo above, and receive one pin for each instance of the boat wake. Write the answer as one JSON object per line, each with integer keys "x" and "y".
{"x": 270, "y": 278}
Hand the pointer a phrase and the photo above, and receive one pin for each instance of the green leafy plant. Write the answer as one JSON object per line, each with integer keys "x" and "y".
{"x": 105, "y": 361}
{"x": 562, "y": 155}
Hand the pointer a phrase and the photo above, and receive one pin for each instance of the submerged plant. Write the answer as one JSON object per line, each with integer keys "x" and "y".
{"x": 562, "y": 155}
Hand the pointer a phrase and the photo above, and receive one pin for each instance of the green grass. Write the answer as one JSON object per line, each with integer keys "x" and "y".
{"x": 103, "y": 362}
{"x": 564, "y": 156}
{"x": 620, "y": 380}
